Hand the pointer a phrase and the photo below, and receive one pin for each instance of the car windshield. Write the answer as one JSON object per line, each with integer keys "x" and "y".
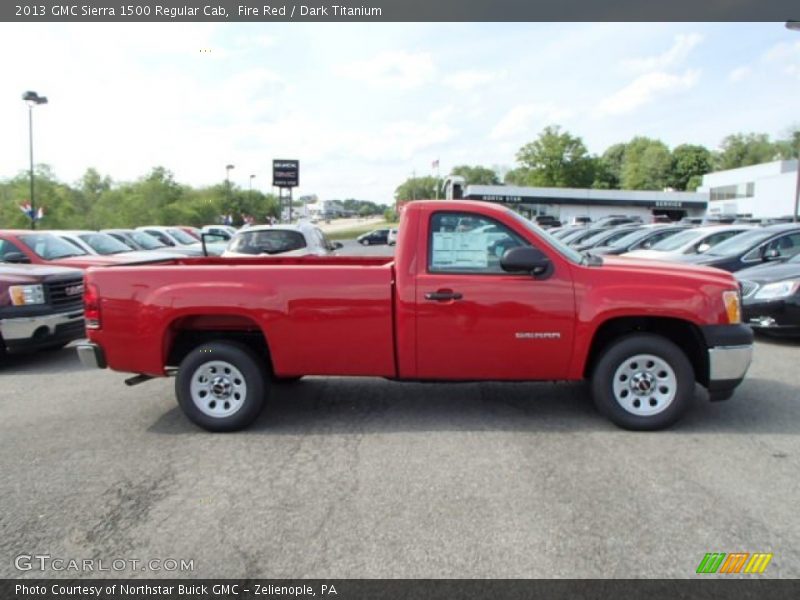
{"x": 146, "y": 241}
{"x": 102, "y": 243}
{"x": 270, "y": 241}
{"x": 559, "y": 246}
{"x": 678, "y": 240}
{"x": 631, "y": 238}
{"x": 50, "y": 247}
{"x": 182, "y": 237}
{"x": 740, "y": 243}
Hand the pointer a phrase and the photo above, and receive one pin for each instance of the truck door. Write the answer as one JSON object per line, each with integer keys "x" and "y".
{"x": 476, "y": 321}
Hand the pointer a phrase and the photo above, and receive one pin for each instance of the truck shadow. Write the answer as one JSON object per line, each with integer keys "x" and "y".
{"x": 341, "y": 405}
{"x": 42, "y": 362}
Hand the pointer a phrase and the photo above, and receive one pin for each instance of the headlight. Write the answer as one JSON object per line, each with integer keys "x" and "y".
{"x": 780, "y": 289}
{"x": 733, "y": 306}
{"x": 22, "y": 295}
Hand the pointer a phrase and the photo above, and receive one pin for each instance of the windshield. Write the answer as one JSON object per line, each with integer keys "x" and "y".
{"x": 631, "y": 238}
{"x": 146, "y": 241}
{"x": 679, "y": 240}
{"x": 560, "y": 247}
{"x": 50, "y": 247}
{"x": 102, "y": 243}
{"x": 182, "y": 237}
{"x": 740, "y": 243}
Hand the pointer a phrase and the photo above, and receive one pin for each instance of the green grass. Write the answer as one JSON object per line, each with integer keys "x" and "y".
{"x": 349, "y": 234}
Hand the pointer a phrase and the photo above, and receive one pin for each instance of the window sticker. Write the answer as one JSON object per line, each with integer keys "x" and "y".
{"x": 459, "y": 250}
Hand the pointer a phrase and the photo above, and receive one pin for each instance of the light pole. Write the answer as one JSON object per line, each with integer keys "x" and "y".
{"x": 32, "y": 98}
{"x": 795, "y": 26}
{"x": 228, "y": 187}
{"x": 250, "y": 192}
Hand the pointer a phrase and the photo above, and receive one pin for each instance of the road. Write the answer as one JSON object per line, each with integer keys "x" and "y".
{"x": 367, "y": 478}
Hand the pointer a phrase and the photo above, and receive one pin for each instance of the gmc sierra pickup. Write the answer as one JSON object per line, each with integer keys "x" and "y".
{"x": 474, "y": 292}
{"x": 40, "y": 307}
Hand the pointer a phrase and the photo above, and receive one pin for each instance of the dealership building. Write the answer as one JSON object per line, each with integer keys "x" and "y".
{"x": 565, "y": 203}
{"x": 765, "y": 190}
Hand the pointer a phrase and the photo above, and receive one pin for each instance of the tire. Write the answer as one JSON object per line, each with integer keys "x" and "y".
{"x": 221, "y": 386}
{"x": 643, "y": 382}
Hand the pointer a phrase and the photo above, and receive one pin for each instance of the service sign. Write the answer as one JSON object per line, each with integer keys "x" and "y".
{"x": 285, "y": 173}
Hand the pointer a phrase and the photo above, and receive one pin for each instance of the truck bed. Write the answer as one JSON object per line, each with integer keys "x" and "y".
{"x": 319, "y": 315}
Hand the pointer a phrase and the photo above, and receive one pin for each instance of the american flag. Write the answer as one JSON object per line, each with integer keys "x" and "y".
{"x": 435, "y": 164}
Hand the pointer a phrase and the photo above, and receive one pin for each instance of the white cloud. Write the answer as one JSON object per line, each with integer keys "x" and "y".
{"x": 470, "y": 79}
{"x": 739, "y": 74}
{"x": 522, "y": 118}
{"x": 644, "y": 89}
{"x": 393, "y": 70}
{"x": 785, "y": 54}
{"x": 676, "y": 55}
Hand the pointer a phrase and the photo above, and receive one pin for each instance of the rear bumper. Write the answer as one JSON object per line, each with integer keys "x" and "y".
{"x": 92, "y": 356}
{"x": 730, "y": 352}
{"x": 43, "y": 331}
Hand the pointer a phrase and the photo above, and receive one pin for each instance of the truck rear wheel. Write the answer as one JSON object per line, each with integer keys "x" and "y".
{"x": 221, "y": 386}
{"x": 643, "y": 382}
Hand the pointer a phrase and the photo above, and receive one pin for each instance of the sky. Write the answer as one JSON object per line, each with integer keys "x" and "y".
{"x": 364, "y": 106}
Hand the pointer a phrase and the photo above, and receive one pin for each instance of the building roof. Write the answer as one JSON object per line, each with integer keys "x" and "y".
{"x": 512, "y": 194}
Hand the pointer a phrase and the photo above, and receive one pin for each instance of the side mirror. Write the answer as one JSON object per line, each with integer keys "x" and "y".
{"x": 338, "y": 245}
{"x": 704, "y": 247}
{"x": 16, "y": 258}
{"x": 526, "y": 259}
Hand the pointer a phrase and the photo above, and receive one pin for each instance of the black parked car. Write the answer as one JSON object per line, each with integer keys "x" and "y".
{"x": 640, "y": 239}
{"x": 751, "y": 248}
{"x": 771, "y": 297}
{"x": 379, "y": 236}
{"x": 605, "y": 237}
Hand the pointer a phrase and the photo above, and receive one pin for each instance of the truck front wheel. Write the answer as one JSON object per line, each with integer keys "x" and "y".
{"x": 221, "y": 386}
{"x": 643, "y": 382}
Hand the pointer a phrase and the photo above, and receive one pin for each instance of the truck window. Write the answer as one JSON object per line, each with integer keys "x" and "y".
{"x": 468, "y": 243}
{"x": 271, "y": 241}
{"x": 8, "y": 248}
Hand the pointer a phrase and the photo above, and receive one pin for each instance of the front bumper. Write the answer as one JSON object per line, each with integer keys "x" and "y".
{"x": 730, "y": 352}
{"x": 92, "y": 356}
{"x": 43, "y": 331}
{"x": 781, "y": 316}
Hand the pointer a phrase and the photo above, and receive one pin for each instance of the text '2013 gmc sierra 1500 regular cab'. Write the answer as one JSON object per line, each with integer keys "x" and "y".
{"x": 474, "y": 292}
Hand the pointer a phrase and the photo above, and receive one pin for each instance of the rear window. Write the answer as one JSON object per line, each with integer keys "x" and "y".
{"x": 273, "y": 241}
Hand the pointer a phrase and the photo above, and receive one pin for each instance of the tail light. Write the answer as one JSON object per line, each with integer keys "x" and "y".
{"x": 91, "y": 307}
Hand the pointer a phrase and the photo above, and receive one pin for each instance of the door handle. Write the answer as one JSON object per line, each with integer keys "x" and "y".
{"x": 442, "y": 295}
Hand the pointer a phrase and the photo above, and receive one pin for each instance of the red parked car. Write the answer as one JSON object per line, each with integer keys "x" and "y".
{"x": 43, "y": 248}
{"x": 474, "y": 292}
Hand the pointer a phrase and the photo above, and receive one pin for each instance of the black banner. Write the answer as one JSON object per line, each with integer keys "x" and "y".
{"x": 735, "y": 588}
{"x": 399, "y": 10}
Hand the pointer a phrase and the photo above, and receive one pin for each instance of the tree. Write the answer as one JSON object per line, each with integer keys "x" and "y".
{"x": 418, "y": 188}
{"x": 647, "y": 165}
{"x": 745, "y": 149}
{"x": 789, "y": 146}
{"x": 476, "y": 175}
{"x": 608, "y": 172}
{"x": 689, "y": 162}
{"x": 557, "y": 159}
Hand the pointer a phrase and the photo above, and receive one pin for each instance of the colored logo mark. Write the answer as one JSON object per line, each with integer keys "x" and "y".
{"x": 737, "y": 562}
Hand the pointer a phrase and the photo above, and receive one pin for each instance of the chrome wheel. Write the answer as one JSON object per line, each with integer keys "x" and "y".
{"x": 645, "y": 385}
{"x": 218, "y": 389}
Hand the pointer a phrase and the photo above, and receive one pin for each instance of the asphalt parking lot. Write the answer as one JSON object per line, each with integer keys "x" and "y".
{"x": 350, "y": 478}
{"x": 367, "y": 478}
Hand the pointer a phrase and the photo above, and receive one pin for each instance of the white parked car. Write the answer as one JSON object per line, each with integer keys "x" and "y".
{"x": 226, "y": 232}
{"x": 392, "y": 237}
{"x": 691, "y": 241}
{"x": 98, "y": 243}
{"x": 303, "y": 239}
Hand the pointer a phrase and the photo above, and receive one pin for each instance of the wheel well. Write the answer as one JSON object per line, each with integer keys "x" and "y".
{"x": 683, "y": 334}
{"x": 187, "y": 333}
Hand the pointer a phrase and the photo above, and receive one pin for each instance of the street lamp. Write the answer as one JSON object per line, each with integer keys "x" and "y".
{"x": 795, "y": 26}
{"x": 228, "y": 185}
{"x": 251, "y": 186}
{"x": 32, "y": 98}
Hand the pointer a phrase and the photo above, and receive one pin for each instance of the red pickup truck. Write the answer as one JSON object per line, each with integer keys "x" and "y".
{"x": 474, "y": 292}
